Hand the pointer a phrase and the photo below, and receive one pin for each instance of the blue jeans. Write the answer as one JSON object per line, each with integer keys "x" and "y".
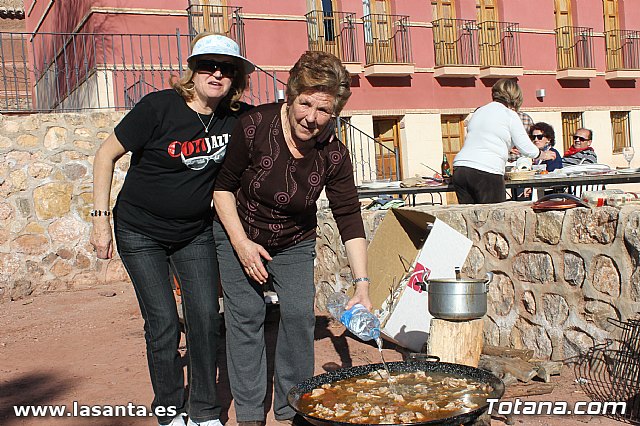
{"x": 244, "y": 313}
{"x": 195, "y": 264}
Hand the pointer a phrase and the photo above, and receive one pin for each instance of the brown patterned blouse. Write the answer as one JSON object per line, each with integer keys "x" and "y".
{"x": 276, "y": 193}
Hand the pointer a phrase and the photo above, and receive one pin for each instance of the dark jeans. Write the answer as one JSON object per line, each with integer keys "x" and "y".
{"x": 195, "y": 265}
{"x": 477, "y": 187}
{"x": 244, "y": 313}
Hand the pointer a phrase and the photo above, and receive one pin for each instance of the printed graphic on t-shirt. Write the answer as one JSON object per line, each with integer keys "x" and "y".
{"x": 197, "y": 154}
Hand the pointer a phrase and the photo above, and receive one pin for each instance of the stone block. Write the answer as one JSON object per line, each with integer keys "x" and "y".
{"x": 52, "y": 200}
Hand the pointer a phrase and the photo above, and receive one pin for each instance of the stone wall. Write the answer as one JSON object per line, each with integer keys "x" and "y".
{"x": 45, "y": 198}
{"x": 558, "y": 275}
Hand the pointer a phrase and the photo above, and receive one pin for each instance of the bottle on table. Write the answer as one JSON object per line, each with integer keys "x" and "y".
{"x": 445, "y": 168}
{"x": 619, "y": 200}
{"x": 358, "y": 320}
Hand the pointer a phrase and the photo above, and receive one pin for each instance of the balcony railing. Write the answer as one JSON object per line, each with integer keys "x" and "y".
{"x": 499, "y": 44}
{"x": 371, "y": 159}
{"x": 455, "y": 42}
{"x": 623, "y": 50}
{"x": 225, "y": 20}
{"x": 574, "y": 48}
{"x": 333, "y": 32}
{"x": 74, "y": 72}
{"x": 387, "y": 39}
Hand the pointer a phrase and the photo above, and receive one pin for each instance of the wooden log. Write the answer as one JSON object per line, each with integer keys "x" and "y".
{"x": 523, "y": 354}
{"x": 520, "y": 369}
{"x": 529, "y": 389}
{"x": 546, "y": 369}
{"x": 459, "y": 342}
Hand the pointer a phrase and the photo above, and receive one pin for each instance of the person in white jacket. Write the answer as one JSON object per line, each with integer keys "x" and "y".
{"x": 492, "y": 131}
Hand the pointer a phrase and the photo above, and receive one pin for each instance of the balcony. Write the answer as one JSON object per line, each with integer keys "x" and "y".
{"x": 225, "y": 20}
{"x": 334, "y": 32}
{"x": 574, "y": 53}
{"x": 387, "y": 45}
{"x": 499, "y": 49}
{"x": 623, "y": 54}
{"x": 455, "y": 44}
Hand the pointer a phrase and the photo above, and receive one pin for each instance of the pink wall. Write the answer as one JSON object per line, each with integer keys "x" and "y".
{"x": 279, "y": 42}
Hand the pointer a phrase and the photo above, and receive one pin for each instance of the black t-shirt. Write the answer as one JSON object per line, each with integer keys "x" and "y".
{"x": 168, "y": 189}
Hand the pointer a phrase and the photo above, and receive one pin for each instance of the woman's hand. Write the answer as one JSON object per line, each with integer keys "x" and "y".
{"x": 101, "y": 237}
{"x": 361, "y": 296}
{"x": 547, "y": 155}
{"x": 251, "y": 255}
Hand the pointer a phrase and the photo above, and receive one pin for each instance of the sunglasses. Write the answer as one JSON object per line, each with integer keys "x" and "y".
{"x": 226, "y": 69}
{"x": 538, "y": 137}
{"x": 579, "y": 138}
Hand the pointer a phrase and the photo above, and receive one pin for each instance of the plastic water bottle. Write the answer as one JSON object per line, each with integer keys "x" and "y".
{"x": 358, "y": 319}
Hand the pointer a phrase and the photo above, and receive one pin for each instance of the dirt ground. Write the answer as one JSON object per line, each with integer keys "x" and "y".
{"x": 88, "y": 346}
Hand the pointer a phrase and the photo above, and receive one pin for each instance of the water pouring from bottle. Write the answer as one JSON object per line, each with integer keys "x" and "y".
{"x": 358, "y": 320}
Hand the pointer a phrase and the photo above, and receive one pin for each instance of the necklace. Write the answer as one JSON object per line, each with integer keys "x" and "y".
{"x": 206, "y": 126}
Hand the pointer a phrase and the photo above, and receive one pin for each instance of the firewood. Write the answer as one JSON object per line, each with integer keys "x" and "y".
{"x": 520, "y": 369}
{"x": 528, "y": 389}
{"x": 546, "y": 369}
{"x": 523, "y": 354}
{"x": 467, "y": 336}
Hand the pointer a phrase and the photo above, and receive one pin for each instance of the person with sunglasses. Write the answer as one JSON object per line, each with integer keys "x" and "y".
{"x": 282, "y": 156}
{"x": 581, "y": 151}
{"x": 163, "y": 219}
{"x": 544, "y": 137}
{"x": 494, "y": 129}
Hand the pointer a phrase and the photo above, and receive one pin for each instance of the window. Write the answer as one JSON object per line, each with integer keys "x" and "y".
{"x": 387, "y": 139}
{"x": 443, "y": 9}
{"x": 571, "y": 121}
{"x": 615, "y": 58}
{"x": 452, "y": 135}
{"x": 452, "y": 140}
{"x": 490, "y": 37}
{"x": 620, "y": 130}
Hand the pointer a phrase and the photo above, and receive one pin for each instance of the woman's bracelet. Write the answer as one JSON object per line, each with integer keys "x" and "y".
{"x": 95, "y": 213}
{"x": 359, "y": 280}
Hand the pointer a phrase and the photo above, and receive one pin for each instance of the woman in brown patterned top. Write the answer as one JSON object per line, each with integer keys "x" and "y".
{"x": 280, "y": 158}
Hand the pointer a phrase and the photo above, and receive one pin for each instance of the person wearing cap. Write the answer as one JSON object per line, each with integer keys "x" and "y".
{"x": 280, "y": 159}
{"x": 162, "y": 219}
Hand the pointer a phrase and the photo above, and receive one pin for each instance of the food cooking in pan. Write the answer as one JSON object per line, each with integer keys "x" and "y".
{"x": 402, "y": 398}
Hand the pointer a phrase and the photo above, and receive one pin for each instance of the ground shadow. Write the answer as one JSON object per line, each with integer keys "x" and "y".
{"x": 611, "y": 375}
{"x": 35, "y": 388}
{"x": 340, "y": 344}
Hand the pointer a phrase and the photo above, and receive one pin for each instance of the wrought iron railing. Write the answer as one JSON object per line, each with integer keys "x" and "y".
{"x": 225, "y": 20}
{"x": 371, "y": 159}
{"x": 333, "y": 32}
{"x": 81, "y": 71}
{"x": 387, "y": 39}
{"x": 574, "y": 47}
{"x": 623, "y": 49}
{"x": 499, "y": 44}
{"x": 455, "y": 42}
{"x": 76, "y": 71}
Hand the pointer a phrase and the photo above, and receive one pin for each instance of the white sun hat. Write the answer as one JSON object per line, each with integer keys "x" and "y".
{"x": 216, "y": 44}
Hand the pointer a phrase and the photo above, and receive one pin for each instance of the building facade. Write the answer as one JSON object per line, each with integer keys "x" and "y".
{"x": 419, "y": 67}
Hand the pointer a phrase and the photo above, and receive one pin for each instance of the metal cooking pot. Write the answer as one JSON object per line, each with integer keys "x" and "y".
{"x": 457, "y": 299}
{"x": 458, "y": 371}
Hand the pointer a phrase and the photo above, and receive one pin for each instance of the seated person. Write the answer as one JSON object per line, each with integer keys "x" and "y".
{"x": 581, "y": 151}
{"x": 543, "y": 136}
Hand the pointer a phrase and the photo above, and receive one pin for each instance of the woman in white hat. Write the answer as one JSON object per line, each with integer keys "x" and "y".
{"x": 162, "y": 219}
